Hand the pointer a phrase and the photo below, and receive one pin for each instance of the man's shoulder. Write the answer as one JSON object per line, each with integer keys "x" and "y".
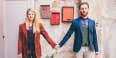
{"x": 76, "y": 19}
{"x": 91, "y": 19}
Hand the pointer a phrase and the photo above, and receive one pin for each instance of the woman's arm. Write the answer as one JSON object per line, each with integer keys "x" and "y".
{"x": 46, "y": 36}
{"x": 19, "y": 41}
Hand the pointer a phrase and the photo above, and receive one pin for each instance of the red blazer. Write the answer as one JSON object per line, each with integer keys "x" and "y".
{"x": 22, "y": 40}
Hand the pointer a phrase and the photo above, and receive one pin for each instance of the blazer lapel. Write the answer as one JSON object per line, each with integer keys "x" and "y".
{"x": 89, "y": 25}
{"x": 80, "y": 25}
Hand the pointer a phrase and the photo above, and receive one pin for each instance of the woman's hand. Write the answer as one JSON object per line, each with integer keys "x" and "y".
{"x": 20, "y": 55}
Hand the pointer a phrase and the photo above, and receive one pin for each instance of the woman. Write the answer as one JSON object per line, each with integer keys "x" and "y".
{"x": 29, "y": 36}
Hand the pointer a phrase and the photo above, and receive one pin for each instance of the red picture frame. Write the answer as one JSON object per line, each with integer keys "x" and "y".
{"x": 55, "y": 18}
{"x": 67, "y": 14}
{"x": 45, "y": 11}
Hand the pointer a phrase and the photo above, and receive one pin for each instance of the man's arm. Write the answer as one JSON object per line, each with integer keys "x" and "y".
{"x": 68, "y": 34}
{"x": 95, "y": 38}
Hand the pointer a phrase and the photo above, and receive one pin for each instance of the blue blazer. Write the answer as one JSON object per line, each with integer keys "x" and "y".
{"x": 75, "y": 27}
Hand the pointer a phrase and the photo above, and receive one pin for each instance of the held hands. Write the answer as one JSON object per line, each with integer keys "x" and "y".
{"x": 57, "y": 47}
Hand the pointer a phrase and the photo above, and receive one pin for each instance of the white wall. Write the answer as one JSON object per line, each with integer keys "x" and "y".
{"x": 14, "y": 14}
{"x": 1, "y": 30}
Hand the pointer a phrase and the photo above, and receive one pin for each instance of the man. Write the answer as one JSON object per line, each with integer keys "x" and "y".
{"x": 85, "y": 38}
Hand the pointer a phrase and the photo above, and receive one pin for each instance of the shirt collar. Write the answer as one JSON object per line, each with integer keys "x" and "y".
{"x": 83, "y": 18}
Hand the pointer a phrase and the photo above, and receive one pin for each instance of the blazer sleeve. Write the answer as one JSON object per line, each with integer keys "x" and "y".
{"x": 95, "y": 38}
{"x": 19, "y": 40}
{"x": 46, "y": 36}
{"x": 68, "y": 34}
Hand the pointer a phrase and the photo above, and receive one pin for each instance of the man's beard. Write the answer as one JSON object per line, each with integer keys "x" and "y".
{"x": 84, "y": 14}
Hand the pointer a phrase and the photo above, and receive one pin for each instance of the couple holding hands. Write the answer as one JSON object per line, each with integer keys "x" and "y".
{"x": 85, "y": 37}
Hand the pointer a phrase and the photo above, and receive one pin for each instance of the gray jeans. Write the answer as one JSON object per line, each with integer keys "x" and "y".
{"x": 85, "y": 52}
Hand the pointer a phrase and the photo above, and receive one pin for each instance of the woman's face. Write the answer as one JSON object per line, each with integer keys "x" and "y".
{"x": 31, "y": 15}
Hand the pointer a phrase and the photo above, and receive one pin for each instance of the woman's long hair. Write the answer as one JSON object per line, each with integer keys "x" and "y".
{"x": 35, "y": 23}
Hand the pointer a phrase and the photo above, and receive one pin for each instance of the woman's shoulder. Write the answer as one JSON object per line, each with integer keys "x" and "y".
{"x": 40, "y": 24}
{"x": 22, "y": 24}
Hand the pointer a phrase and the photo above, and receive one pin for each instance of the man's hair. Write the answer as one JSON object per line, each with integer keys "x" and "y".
{"x": 82, "y": 3}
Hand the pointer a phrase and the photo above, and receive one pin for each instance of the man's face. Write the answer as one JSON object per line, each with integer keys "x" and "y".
{"x": 84, "y": 10}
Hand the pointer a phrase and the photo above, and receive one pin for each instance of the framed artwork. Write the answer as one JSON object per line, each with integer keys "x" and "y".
{"x": 55, "y": 18}
{"x": 45, "y": 11}
{"x": 67, "y": 14}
